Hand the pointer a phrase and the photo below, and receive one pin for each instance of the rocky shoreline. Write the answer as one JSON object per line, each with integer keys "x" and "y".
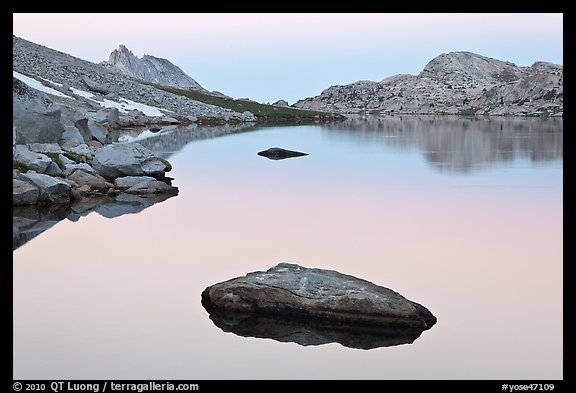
{"x": 62, "y": 153}
{"x": 67, "y": 73}
{"x": 68, "y": 114}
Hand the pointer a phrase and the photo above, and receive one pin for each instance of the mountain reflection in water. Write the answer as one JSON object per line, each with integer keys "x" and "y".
{"x": 459, "y": 144}
{"x": 452, "y": 145}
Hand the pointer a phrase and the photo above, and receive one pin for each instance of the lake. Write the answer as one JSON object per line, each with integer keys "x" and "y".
{"x": 464, "y": 216}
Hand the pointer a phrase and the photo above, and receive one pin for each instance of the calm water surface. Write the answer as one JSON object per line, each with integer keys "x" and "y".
{"x": 462, "y": 216}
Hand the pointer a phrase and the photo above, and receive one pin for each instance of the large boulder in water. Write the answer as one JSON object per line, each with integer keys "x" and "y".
{"x": 291, "y": 293}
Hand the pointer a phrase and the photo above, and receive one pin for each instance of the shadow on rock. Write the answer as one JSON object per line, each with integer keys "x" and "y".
{"x": 307, "y": 332}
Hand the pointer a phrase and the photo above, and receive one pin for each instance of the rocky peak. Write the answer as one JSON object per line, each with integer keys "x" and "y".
{"x": 150, "y": 68}
{"x": 467, "y": 69}
{"x": 121, "y": 56}
{"x": 458, "y": 83}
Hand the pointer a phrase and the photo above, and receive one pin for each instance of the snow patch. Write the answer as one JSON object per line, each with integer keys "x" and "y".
{"x": 33, "y": 83}
{"x": 143, "y": 135}
{"x": 124, "y": 106}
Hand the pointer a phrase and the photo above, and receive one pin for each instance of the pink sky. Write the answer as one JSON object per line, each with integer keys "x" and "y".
{"x": 299, "y": 54}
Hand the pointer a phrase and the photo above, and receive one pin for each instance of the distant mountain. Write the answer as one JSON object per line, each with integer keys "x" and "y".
{"x": 461, "y": 83}
{"x": 150, "y": 69}
{"x": 61, "y": 71}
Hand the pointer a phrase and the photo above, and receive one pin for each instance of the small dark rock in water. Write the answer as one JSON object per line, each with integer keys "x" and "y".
{"x": 277, "y": 153}
{"x": 311, "y": 306}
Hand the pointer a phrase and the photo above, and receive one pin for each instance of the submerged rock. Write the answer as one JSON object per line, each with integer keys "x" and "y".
{"x": 312, "y": 306}
{"x": 277, "y": 153}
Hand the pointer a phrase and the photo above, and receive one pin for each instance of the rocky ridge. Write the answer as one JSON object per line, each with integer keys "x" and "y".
{"x": 66, "y": 116}
{"x": 62, "y": 153}
{"x": 149, "y": 68}
{"x": 458, "y": 83}
{"x": 69, "y": 72}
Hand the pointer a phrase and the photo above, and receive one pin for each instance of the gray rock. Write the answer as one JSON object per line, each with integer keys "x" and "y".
{"x": 71, "y": 114}
{"x": 54, "y": 170}
{"x": 94, "y": 144}
{"x": 46, "y": 148}
{"x": 248, "y": 116}
{"x": 121, "y": 159}
{"x": 127, "y": 159}
{"x": 156, "y": 167}
{"x": 144, "y": 185}
{"x": 137, "y": 117}
{"x": 35, "y": 117}
{"x": 92, "y": 130}
{"x": 66, "y": 161}
{"x": 24, "y": 193}
{"x": 124, "y": 120}
{"x": 73, "y": 166}
{"x": 52, "y": 189}
{"x": 169, "y": 120}
{"x": 82, "y": 150}
{"x": 71, "y": 137}
{"x": 277, "y": 153}
{"x": 281, "y": 103}
{"x": 36, "y": 161}
{"x": 95, "y": 87}
{"x": 294, "y": 291}
{"x": 92, "y": 180}
{"x": 107, "y": 115}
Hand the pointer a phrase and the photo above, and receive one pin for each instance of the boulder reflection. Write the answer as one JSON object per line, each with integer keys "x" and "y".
{"x": 171, "y": 139}
{"x": 30, "y": 221}
{"x": 311, "y": 332}
{"x": 458, "y": 144}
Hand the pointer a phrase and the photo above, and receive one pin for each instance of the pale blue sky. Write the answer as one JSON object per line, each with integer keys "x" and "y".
{"x": 267, "y": 57}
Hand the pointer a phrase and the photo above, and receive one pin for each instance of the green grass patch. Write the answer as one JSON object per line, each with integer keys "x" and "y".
{"x": 56, "y": 158}
{"x": 261, "y": 111}
{"x": 77, "y": 158}
{"x": 20, "y": 166}
{"x": 468, "y": 112}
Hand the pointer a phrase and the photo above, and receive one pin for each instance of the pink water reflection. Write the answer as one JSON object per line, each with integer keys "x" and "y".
{"x": 121, "y": 298}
